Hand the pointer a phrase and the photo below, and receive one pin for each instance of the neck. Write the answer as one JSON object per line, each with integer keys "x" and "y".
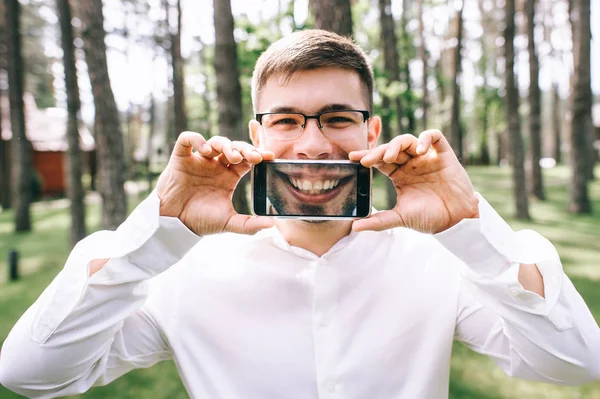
{"x": 317, "y": 238}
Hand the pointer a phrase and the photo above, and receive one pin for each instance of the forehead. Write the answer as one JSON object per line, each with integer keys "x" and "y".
{"x": 311, "y": 90}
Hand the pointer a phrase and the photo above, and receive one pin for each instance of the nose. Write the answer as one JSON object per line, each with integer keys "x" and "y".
{"x": 313, "y": 144}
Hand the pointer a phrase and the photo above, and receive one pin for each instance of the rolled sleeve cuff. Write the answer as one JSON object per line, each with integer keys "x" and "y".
{"x": 145, "y": 245}
{"x": 492, "y": 253}
{"x": 148, "y": 242}
{"x": 486, "y": 245}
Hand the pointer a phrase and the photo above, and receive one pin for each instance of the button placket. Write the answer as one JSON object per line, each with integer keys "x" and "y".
{"x": 331, "y": 387}
{"x": 324, "y": 333}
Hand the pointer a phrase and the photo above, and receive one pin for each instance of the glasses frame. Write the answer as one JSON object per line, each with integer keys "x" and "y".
{"x": 366, "y": 115}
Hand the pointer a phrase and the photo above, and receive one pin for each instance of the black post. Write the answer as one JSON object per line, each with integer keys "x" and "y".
{"x": 13, "y": 265}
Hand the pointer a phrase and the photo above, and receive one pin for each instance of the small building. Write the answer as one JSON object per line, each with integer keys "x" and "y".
{"x": 47, "y": 133}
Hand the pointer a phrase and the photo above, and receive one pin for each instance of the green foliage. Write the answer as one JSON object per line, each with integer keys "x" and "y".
{"x": 38, "y": 76}
{"x": 254, "y": 40}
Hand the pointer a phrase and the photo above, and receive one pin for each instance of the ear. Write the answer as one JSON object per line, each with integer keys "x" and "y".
{"x": 255, "y": 130}
{"x": 374, "y": 126}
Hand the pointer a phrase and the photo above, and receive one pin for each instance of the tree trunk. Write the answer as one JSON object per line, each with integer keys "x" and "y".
{"x": 484, "y": 93}
{"x": 456, "y": 136}
{"x": 409, "y": 109}
{"x": 178, "y": 79}
{"x": 206, "y": 103}
{"x": 4, "y": 171}
{"x": 229, "y": 91}
{"x": 556, "y": 124}
{"x": 516, "y": 152}
{"x": 107, "y": 127}
{"x": 423, "y": 56}
{"x": 581, "y": 121}
{"x": 391, "y": 64}
{"x": 440, "y": 80}
{"x": 150, "y": 139}
{"x": 22, "y": 168}
{"x": 500, "y": 148}
{"x": 386, "y": 136}
{"x": 535, "y": 108}
{"x": 4, "y": 146}
{"x": 391, "y": 59}
{"x": 484, "y": 152}
{"x": 333, "y": 15}
{"x": 74, "y": 158}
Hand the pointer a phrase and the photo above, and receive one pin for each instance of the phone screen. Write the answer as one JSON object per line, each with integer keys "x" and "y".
{"x": 311, "y": 189}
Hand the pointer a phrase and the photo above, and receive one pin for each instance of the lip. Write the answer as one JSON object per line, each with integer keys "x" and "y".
{"x": 314, "y": 198}
{"x": 308, "y": 173}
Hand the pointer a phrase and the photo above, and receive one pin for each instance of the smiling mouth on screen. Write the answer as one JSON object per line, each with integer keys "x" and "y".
{"x": 315, "y": 190}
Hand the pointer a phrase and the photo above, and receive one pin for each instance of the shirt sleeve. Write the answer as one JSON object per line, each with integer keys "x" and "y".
{"x": 87, "y": 330}
{"x": 553, "y": 339}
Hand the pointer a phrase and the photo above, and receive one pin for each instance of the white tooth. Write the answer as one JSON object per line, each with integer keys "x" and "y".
{"x": 326, "y": 185}
{"x": 318, "y": 185}
{"x": 307, "y": 185}
{"x": 292, "y": 181}
{"x": 335, "y": 183}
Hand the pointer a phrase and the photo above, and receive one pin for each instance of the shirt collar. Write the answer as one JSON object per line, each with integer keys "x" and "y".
{"x": 273, "y": 235}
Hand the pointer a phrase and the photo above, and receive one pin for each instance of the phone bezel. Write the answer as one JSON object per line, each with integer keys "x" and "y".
{"x": 363, "y": 202}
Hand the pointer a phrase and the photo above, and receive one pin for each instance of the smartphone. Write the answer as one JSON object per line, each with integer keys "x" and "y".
{"x": 315, "y": 190}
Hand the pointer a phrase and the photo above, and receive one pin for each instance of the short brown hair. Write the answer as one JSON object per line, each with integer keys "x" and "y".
{"x": 312, "y": 49}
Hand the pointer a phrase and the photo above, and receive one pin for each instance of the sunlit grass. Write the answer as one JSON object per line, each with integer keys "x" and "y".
{"x": 577, "y": 239}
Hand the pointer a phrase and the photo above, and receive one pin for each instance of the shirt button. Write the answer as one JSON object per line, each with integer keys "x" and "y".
{"x": 331, "y": 387}
{"x": 514, "y": 291}
{"x": 324, "y": 322}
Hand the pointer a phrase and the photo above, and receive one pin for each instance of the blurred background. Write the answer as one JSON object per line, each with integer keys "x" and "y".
{"x": 94, "y": 93}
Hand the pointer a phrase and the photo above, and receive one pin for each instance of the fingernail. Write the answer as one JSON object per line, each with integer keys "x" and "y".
{"x": 205, "y": 147}
{"x": 420, "y": 148}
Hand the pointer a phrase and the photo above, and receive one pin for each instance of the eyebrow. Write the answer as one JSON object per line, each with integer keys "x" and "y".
{"x": 328, "y": 107}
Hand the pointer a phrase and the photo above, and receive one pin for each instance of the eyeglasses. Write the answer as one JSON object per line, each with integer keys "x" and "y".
{"x": 291, "y": 125}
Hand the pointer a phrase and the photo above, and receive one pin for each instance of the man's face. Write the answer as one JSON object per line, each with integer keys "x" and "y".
{"x": 304, "y": 190}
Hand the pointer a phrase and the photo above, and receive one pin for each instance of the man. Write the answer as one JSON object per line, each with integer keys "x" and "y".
{"x": 347, "y": 309}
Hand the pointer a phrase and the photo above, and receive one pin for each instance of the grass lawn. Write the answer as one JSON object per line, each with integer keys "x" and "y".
{"x": 577, "y": 238}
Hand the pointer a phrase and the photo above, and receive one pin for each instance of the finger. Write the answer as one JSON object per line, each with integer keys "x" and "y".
{"x": 187, "y": 141}
{"x": 406, "y": 143}
{"x": 241, "y": 168}
{"x": 265, "y": 154}
{"x": 248, "y": 152}
{"x": 246, "y": 224}
{"x": 224, "y": 146}
{"x": 399, "y": 158}
{"x": 433, "y": 138}
{"x": 373, "y": 156}
{"x": 386, "y": 168}
{"x": 357, "y": 155}
{"x": 223, "y": 160}
{"x": 379, "y": 221}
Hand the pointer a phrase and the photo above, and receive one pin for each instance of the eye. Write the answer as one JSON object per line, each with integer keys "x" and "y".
{"x": 340, "y": 119}
{"x": 285, "y": 121}
{"x": 282, "y": 121}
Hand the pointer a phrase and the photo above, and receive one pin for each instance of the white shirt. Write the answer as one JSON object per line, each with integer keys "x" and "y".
{"x": 252, "y": 317}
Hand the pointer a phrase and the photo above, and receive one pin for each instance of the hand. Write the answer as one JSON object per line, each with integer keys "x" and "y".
{"x": 197, "y": 187}
{"x": 433, "y": 190}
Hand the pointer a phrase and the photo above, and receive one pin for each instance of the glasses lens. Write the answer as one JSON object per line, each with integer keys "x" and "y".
{"x": 341, "y": 122}
{"x": 283, "y": 126}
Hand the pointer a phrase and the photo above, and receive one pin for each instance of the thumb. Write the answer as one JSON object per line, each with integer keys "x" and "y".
{"x": 379, "y": 221}
{"x": 246, "y": 224}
